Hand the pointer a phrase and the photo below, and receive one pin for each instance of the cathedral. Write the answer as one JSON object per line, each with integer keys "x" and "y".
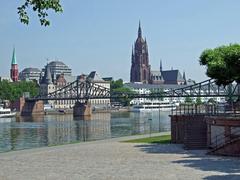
{"x": 141, "y": 69}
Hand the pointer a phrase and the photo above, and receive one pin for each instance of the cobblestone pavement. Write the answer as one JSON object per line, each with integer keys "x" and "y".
{"x": 111, "y": 159}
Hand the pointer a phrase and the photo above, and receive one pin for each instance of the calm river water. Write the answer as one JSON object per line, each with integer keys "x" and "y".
{"x": 31, "y": 132}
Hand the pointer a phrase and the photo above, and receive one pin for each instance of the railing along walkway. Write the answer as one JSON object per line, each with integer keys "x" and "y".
{"x": 206, "y": 109}
{"x": 222, "y": 139}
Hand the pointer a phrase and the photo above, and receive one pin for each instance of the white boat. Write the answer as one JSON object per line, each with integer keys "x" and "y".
{"x": 154, "y": 106}
{"x": 6, "y": 112}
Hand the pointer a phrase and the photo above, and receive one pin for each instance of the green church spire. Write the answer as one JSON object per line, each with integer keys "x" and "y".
{"x": 14, "y": 59}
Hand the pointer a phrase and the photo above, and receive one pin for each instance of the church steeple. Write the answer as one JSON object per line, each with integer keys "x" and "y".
{"x": 14, "y": 67}
{"x": 139, "y": 30}
{"x": 14, "y": 59}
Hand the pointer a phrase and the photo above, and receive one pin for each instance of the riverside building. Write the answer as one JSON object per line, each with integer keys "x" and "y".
{"x": 54, "y": 78}
{"x": 30, "y": 74}
{"x": 57, "y": 68}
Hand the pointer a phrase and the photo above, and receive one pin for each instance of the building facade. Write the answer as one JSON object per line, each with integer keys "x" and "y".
{"x": 98, "y": 103}
{"x": 30, "y": 74}
{"x": 151, "y": 88}
{"x": 57, "y": 68}
{"x": 49, "y": 85}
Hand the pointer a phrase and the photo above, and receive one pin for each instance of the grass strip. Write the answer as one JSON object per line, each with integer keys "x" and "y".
{"x": 165, "y": 139}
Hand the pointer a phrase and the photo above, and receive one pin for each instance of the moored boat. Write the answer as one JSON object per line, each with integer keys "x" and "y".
{"x": 150, "y": 106}
{"x": 6, "y": 112}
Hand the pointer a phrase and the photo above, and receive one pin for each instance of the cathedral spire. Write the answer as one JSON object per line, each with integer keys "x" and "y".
{"x": 132, "y": 54}
{"x": 139, "y": 30}
{"x": 146, "y": 44}
{"x": 140, "y": 68}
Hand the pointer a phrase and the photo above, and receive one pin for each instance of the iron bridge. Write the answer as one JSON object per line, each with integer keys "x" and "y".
{"x": 88, "y": 89}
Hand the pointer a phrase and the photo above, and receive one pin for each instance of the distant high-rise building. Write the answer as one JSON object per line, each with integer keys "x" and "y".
{"x": 14, "y": 67}
{"x": 57, "y": 68}
{"x": 140, "y": 68}
{"x": 30, "y": 74}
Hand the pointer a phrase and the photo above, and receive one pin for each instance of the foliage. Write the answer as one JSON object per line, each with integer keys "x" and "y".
{"x": 165, "y": 139}
{"x": 118, "y": 88}
{"x": 211, "y": 101}
{"x": 157, "y": 93}
{"x": 123, "y": 93}
{"x": 13, "y": 90}
{"x": 223, "y": 63}
{"x": 116, "y": 84}
{"x": 198, "y": 101}
{"x": 188, "y": 100}
{"x": 40, "y": 7}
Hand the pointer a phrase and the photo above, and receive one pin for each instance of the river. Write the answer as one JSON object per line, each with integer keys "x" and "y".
{"x": 48, "y": 130}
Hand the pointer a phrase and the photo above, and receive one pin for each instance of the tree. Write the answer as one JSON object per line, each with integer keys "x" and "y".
{"x": 198, "y": 100}
{"x": 157, "y": 94}
{"x": 223, "y": 63}
{"x": 117, "y": 88}
{"x": 12, "y": 91}
{"x": 123, "y": 97}
{"x": 211, "y": 101}
{"x": 188, "y": 100}
{"x": 41, "y": 7}
{"x": 116, "y": 84}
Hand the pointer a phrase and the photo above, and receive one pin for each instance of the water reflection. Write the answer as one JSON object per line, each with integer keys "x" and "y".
{"x": 38, "y": 131}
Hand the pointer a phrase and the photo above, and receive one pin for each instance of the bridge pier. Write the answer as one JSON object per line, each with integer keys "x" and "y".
{"x": 82, "y": 109}
{"x": 29, "y": 108}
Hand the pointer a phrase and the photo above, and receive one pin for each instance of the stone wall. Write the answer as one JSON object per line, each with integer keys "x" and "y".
{"x": 191, "y": 130}
{"x": 28, "y": 108}
{"x": 230, "y": 149}
{"x": 224, "y": 135}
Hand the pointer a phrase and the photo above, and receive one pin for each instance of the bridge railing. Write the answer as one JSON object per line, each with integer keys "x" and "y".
{"x": 207, "y": 109}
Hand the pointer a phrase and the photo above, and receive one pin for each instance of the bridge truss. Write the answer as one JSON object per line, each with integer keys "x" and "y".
{"x": 82, "y": 90}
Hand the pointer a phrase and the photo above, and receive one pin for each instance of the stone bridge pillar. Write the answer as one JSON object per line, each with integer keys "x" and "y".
{"x": 29, "y": 108}
{"x": 82, "y": 109}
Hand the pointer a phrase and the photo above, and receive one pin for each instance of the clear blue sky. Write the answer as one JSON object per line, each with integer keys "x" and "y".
{"x": 98, "y": 34}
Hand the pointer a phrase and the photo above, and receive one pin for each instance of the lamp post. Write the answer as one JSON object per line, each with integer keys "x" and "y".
{"x": 159, "y": 116}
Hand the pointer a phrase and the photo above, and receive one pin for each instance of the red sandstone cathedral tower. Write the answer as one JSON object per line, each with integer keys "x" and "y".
{"x": 14, "y": 68}
{"x": 140, "y": 69}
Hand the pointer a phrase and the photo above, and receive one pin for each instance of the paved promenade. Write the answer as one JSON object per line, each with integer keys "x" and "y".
{"x": 111, "y": 159}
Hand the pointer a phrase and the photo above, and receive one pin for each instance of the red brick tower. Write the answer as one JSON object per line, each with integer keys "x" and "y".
{"x": 140, "y": 68}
